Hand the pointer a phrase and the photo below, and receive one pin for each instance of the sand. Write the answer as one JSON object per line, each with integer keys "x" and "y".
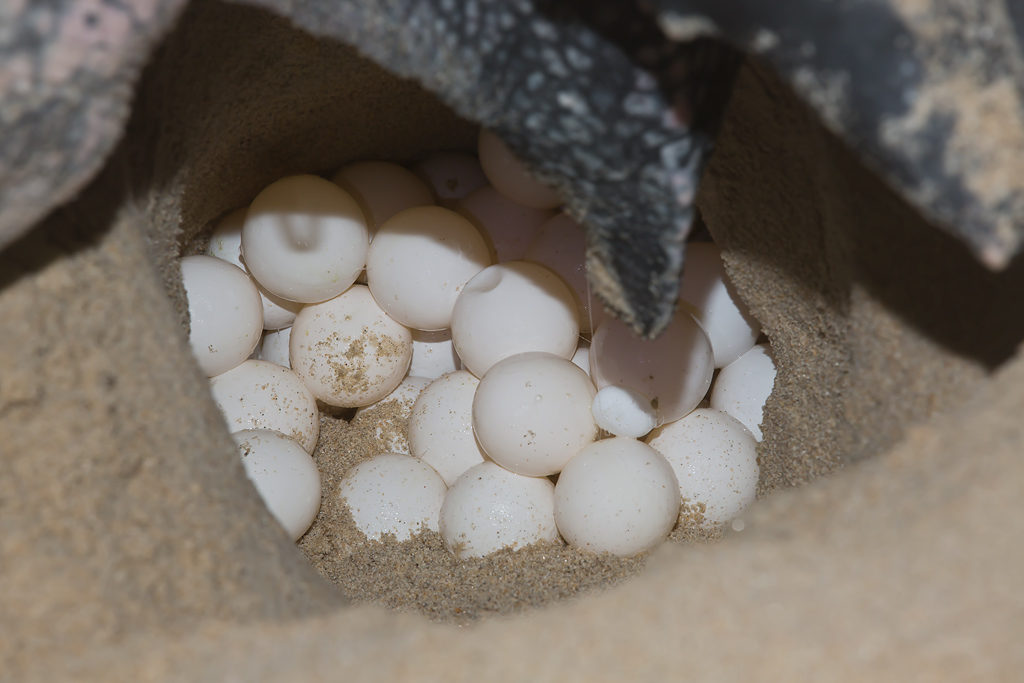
{"x": 133, "y": 548}
{"x": 421, "y": 574}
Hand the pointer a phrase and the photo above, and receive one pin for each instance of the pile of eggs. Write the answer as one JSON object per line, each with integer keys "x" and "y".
{"x": 457, "y": 291}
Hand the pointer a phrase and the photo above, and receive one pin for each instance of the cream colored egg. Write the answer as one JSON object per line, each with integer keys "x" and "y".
{"x": 348, "y": 351}
{"x": 262, "y": 395}
{"x": 513, "y": 308}
{"x": 441, "y": 426}
{"x": 382, "y": 189}
{"x": 509, "y": 227}
{"x": 672, "y": 371}
{"x": 561, "y": 245}
{"x": 489, "y": 508}
{"x": 304, "y": 239}
{"x": 532, "y": 413}
{"x": 715, "y": 461}
{"x": 225, "y": 313}
{"x": 510, "y": 176}
{"x": 284, "y": 475}
{"x": 451, "y": 175}
{"x": 419, "y": 262}
{"x": 393, "y": 494}
{"x": 618, "y": 496}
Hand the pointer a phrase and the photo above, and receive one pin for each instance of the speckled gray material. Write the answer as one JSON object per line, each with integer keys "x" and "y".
{"x": 572, "y": 103}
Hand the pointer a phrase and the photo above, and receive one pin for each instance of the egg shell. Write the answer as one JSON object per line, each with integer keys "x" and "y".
{"x": 715, "y": 461}
{"x": 674, "y": 370}
{"x": 382, "y": 189}
{"x": 262, "y": 395}
{"x": 730, "y": 327}
{"x": 451, "y": 175}
{"x": 225, "y": 313}
{"x": 304, "y": 239}
{"x": 624, "y": 412}
{"x": 419, "y": 262}
{"x": 561, "y": 245}
{"x": 433, "y": 354}
{"x": 617, "y": 495}
{"x": 743, "y": 386}
{"x": 510, "y": 228}
{"x": 284, "y": 475}
{"x": 393, "y": 494}
{"x": 441, "y": 426}
{"x": 489, "y": 508}
{"x": 531, "y": 413}
{"x": 274, "y": 347}
{"x": 510, "y": 176}
{"x": 389, "y": 416}
{"x": 513, "y": 308}
{"x": 348, "y": 351}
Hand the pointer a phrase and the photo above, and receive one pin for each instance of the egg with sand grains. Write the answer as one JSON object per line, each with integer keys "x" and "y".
{"x": 489, "y": 508}
{"x": 393, "y": 494}
{"x": 348, "y": 351}
{"x": 225, "y": 313}
{"x": 715, "y": 461}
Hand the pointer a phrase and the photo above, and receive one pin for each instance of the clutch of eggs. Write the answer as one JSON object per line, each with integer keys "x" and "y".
{"x": 455, "y": 289}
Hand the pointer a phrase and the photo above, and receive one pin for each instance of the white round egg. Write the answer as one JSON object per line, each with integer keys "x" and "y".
{"x": 743, "y": 386}
{"x": 383, "y": 189}
{"x": 262, "y": 395}
{"x": 226, "y": 238}
{"x": 561, "y": 245}
{"x": 225, "y": 313}
{"x": 274, "y": 347}
{"x": 304, "y": 239}
{"x": 512, "y": 308}
{"x": 393, "y": 494}
{"x": 624, "y": 412}
{"x": 278, "y": 313}
{"x": 581, "y": 358}
{"x": 531, "y": 413}
{"x": 715, "y": 461}
{"x": 451, "y": 175}
{"x": 617, "y": 496}
{"x": 348, "y": 351}
{"x": 226, "y": 244}
{"x": 419, "y": 262}
{"x": 489, "y": 508}
{"x": 284, "y": 475}
{"x": 509, "y": 227}
{"x": 509, "y": 175}
{"x": 441, "y": 426}
{"x": 389, "y": 416}
{"x": 729, "y": 326}
{"x": 674, "y": 370}
{"x": 433, "y": 354}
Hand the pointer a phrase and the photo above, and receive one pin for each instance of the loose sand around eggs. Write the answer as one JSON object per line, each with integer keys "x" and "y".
{"x": 422, "y": 574}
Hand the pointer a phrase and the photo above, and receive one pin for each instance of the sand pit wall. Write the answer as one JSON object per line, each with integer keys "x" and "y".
{"x": 132, "y": 544}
